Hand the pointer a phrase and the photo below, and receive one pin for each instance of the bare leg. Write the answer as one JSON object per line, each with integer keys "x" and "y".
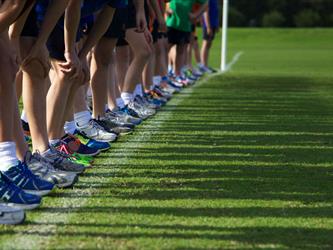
{"x": 161, "y": 67}
{"x": 7, "y": 90}
{"x": 180, "y": 58}
{"x": 206, "y": 45}
{"x": 60, "y": 99}
{"x": 141, "y": 52}
{"x": 34, "y": 99}
{"x": 122, "y": 64}
{"x": 113, "y": 90}
{"x": 148, "y": 72}
{"x": 100, "y": 76}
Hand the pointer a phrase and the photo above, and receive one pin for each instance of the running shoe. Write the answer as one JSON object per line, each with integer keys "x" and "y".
{"x": 21, "y": 176}
{"x": 118, "y": 120}
{"x": 26, "y": 128}
{"x": 84, "y": 160}
{"x": 130, "y": 112}
{"x": 144, "y": 102}
{"x": 61, "y": 161}
{"x": 204, "y": 69}
{"x": 13, "y": 196}
{"x": 96, "y": 132}
{"x": 101, "y": 146}
{"x": 155, "y": 100}
{"x": 126, "y": 117}
{"x": 154, "y": 94}
{"x": 75, "y": 145}
{"x": 44, "y": 170}
{"x": 162, "y": 93}
{"x": 144, "y": 113}
{"x": 112, "y": 127}
{"x": 212, "y": 69}
{"x": 197, "y": 72}
{"x": 10, "y": 215}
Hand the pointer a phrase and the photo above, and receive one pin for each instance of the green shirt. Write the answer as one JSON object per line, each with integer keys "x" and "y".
{"x": 180, "y": 18}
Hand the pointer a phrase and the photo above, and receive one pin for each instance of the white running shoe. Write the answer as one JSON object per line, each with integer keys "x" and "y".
{"x": 44, "y": 169}
{"x": 96, "y": 132}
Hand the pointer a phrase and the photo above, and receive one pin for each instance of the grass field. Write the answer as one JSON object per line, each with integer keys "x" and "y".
{"x": 241, "y": 161}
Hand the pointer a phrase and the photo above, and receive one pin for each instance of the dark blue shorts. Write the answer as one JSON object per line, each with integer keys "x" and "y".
{"x": 117, "y": 28}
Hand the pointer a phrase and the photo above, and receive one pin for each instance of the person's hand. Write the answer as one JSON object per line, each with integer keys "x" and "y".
{"x": 85, "y": 69}
{"x": 162, "y": 25}
{"x": 39, "y": 54}
{"x": 141, "y": 22}
{"x": 148, "y": 36}
{"x": 72, "y": 65}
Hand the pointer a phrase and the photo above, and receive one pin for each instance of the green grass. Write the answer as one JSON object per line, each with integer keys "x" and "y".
{"x": 241, "y": 161}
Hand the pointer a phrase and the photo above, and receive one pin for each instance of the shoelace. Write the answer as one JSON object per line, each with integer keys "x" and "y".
{"x": 25, "y": 171}
{"x": 96, "y": 126}
{"x": 46, "y": 165}
{"x": 9, "y": 185}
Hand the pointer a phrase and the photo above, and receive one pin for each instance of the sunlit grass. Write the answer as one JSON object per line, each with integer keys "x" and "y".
{"x": 243, "y": 161}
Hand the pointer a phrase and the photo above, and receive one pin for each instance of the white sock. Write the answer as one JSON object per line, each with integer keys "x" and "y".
{"x": 157, "y": 80}
{"x": 54, "y": 142}
{"x": 70, "y": 127}
{"x": 8, "y": 157}
{"x": 89, "y": 92}
{"x": 24, "y": 116}
{"x": 120, "y": 102}
{"x": 82, "y": 119}
{"x": 138, "y": 90}
{"x": 127, "y": 97}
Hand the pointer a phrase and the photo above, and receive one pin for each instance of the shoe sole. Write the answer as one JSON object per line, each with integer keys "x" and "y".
{"x": 68, "y": 184}
{"x": 38, "y": 192}
{"x": 24, "y": 206}
{"x": 13, "y": 218}
{"x": 94, "y": 154}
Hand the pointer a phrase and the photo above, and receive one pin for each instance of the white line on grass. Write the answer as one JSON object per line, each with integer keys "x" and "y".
{"x": 234, "y": 61}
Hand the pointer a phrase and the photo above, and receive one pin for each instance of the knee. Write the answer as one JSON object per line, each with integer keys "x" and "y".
{"x": 36, "y": 69}
{"x": 102, "y": 59}
{"x": 144, "y": 53}
{"x": 8, "y": 70}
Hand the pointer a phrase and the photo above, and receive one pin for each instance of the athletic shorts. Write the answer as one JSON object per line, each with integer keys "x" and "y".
{"x": 206, "y": 36}
{"x": 162, "y": 35}
{"x": 121, "y": 42}
{"x": 178, "y": 37}
{"x": 155, "y": 33}
{"x": 131, "y": 18}
{"x": 117, "y": 28}
{"x": 31, "y": 26}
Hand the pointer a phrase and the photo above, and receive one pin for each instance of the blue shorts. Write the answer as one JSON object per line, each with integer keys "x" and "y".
{"x": 31, "y": 26}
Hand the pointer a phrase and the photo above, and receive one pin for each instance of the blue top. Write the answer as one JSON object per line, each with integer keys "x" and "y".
{"x": 213, "y": 14}
{"x": 88, "y": 6}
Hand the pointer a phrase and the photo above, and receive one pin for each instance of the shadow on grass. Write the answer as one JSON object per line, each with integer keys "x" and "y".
{"x": 248, "y": 139}
{"x": 294, "y": 237}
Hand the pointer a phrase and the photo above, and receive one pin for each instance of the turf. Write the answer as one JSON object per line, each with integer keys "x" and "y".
{"x": 241, "y": 161}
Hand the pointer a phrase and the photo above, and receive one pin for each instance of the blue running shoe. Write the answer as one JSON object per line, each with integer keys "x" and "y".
{"x": 13, "y": 196}
{"x": 76, "y": 146}
{"x": 101, "y": 146}
{"x": 21, "y": 176}
{"x": 130, "y": 112}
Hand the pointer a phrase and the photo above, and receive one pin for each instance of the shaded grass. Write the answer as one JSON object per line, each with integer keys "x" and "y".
{"x": 243, "y": 161}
